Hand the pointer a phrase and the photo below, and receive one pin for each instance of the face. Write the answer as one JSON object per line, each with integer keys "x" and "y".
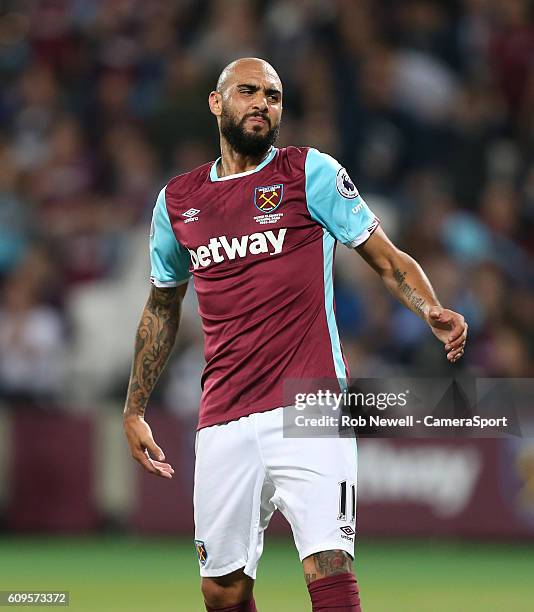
{"x": 249, "y": 108}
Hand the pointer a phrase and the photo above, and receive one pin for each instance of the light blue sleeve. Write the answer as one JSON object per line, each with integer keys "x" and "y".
{"x": 169, "y": 260}
{"x": 334, "y": 202}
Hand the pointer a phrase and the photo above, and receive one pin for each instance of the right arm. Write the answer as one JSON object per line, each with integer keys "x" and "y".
{"x": 155, "y": 338}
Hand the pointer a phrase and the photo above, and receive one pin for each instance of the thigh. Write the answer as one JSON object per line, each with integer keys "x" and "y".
{"x": 232, "y": 499}
{"x": 315, "y": 482}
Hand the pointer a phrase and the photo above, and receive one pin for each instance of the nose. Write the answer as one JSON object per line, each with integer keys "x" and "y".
{"x": 260, "y": 101}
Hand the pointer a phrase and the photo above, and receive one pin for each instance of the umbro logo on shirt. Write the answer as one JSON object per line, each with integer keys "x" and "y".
{"x": 191, "y": 215}
{"x": 223, "y": 248}
{"x": 191, "y": 212}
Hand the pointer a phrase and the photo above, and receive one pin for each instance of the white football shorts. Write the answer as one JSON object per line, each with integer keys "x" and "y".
{"x": 246, "y": 469}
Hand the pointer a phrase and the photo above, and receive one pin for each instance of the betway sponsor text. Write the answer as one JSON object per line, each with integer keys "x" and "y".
{"x": 223, "y": 248}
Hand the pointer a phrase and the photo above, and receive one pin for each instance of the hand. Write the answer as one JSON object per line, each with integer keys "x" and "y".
{"x": 451, "y": 328}
{"x": 143, "y": 447}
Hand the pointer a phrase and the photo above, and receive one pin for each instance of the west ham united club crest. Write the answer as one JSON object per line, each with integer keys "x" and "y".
{"x": 268, "y": 198}
{"x": 202, "y": 553}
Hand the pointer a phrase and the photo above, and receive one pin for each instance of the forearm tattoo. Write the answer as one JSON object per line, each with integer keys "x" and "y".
{"x": 329, "y": 563}
{"x": 155, "y": 338}
{"x": 414, "y": 301}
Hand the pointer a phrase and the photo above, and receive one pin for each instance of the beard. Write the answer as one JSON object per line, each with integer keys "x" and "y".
{"x": 249, "y": 143}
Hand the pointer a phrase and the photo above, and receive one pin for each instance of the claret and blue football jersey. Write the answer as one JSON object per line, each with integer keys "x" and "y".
{"x": 260, "y": 247}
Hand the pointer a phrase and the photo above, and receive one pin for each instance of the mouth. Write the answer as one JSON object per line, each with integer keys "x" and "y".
{"x": 258, "y": 120}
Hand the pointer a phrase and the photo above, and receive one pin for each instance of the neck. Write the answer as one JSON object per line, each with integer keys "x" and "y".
{"x": 233, "y": 162}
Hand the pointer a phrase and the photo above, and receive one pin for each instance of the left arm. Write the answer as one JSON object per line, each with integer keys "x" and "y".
{"x": 405, "y": 279}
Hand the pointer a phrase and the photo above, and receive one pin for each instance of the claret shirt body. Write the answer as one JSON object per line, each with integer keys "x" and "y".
{"x": 260, "y": 248}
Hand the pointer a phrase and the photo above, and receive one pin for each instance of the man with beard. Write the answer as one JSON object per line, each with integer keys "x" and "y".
{"x": 257, "y": 230}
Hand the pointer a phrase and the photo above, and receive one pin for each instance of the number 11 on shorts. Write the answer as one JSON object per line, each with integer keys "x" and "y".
{"x": 342, "y": 516}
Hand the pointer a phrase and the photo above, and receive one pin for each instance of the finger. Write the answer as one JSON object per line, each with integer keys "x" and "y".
{"x": 164, "y": 474}
{"x": 155, "y": 451}
{"x": 145, "y": 462}
{"x": 456, "y": 350}
{"x": 457, "y": 329}
{"x": 163, "y": 466}
{"x": 156, "y": 469}
{"x": 459, "y": 356}
{"x": 150, "y": 466}
{"x": 451, "y": 346}
{"x": 455, "y": 355}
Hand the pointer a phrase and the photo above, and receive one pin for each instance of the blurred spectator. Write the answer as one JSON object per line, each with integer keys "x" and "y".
{"x": 14, "y": 214}
{"x": 32, "y": 336}
{"x": 231, "y": 30}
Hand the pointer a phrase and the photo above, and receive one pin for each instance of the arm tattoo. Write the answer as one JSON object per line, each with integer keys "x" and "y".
{"x": 155, "y": 338}
{"x": 330, "y": 563}
{"x": 415, "y": 302}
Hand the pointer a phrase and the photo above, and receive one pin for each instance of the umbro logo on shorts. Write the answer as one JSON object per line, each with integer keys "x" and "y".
{"x": 348, "y": 532}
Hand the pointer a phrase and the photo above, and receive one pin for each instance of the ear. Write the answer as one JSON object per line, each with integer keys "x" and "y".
{"x": 215, "y": 103}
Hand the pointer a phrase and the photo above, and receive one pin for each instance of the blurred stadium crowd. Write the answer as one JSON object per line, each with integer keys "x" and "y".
{"x": 429, "y": 104}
